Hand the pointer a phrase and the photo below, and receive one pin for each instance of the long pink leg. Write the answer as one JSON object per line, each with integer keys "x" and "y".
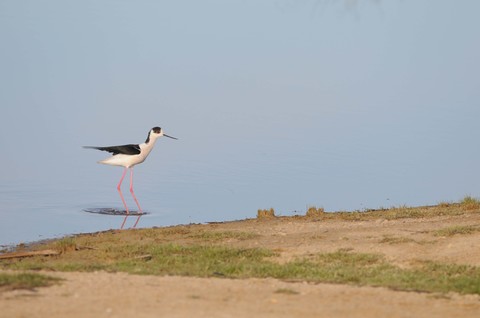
{"x": 121, "y": 196}
{"x": 120, "y": 190}
{"x": 131, "y": 191}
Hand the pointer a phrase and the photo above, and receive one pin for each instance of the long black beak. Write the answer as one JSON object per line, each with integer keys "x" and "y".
{"x": 170, "y": 137}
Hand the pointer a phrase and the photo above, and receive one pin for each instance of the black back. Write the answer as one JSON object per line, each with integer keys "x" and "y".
{"x": 124, "y": 149}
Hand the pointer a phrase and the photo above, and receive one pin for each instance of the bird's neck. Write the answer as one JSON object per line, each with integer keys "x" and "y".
{"x": 148, "y": 146}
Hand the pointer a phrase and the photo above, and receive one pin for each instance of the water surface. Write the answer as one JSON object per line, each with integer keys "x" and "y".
{"x": 281, "y": 104}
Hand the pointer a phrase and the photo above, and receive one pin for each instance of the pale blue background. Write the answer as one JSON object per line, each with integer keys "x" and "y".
{"x": 347, "y": 105}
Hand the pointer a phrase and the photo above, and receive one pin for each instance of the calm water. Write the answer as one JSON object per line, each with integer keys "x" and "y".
{"x": 346, "y": 105}
{"x": 177, "y": 186}
{"x": 33, "y": 211}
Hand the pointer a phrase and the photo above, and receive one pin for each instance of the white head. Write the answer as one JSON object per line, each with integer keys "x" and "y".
{"x": 155, "y": 133}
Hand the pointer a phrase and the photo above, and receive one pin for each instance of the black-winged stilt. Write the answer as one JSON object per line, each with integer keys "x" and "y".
{"x": 128, "y": 156}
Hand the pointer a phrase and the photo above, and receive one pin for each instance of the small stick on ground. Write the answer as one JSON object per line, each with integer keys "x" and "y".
{"x": 28, "y": 254}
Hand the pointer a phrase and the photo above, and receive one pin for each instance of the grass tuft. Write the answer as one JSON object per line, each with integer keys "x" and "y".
{"x": 66, "y": 244}
{"x": 396, "y": 240}
{"x": 457, "y": 229}
{"x": 265, "y": 214}
{"x": 470, "y": 203}
{"x": 444, "y": 204}
{"x": 314, "y": 212}
{"x": 224, "y": 235}
{"x": 467, "y": 205}
{"x": 286, "y": 291}
{"x": 12, "y": 281}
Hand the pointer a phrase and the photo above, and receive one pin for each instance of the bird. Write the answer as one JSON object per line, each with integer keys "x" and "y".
{"x": 128, "y": 156}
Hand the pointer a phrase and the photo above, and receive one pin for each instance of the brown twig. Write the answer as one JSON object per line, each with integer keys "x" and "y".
{"x": 28, "y": 254}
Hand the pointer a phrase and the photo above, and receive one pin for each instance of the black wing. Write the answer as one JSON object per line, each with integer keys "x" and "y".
{"x": 124, "y": 149}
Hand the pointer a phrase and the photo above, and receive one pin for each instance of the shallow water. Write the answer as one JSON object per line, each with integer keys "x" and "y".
{"x": 338, "y": 104}
{"x": 177, "y": 189}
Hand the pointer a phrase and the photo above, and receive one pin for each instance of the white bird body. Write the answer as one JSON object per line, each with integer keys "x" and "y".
{"x": 129, "y": 161}
{"x": 130, "y": 155}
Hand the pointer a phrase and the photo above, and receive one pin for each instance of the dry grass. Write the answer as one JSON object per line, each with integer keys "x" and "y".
{"x": 286, "y": 291}
{"x": 457, "y": 230}
{"x": 11, "y": 281}
{"x": 265, "y": 214}
{"x": 465, "y": 206}
{"x": 470, "y": 203}
{"x": 66, "y": 244}
{"x": 314, "y": 212}
{"x": 396, "y": 240}
{"x": 217, "y": 236}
